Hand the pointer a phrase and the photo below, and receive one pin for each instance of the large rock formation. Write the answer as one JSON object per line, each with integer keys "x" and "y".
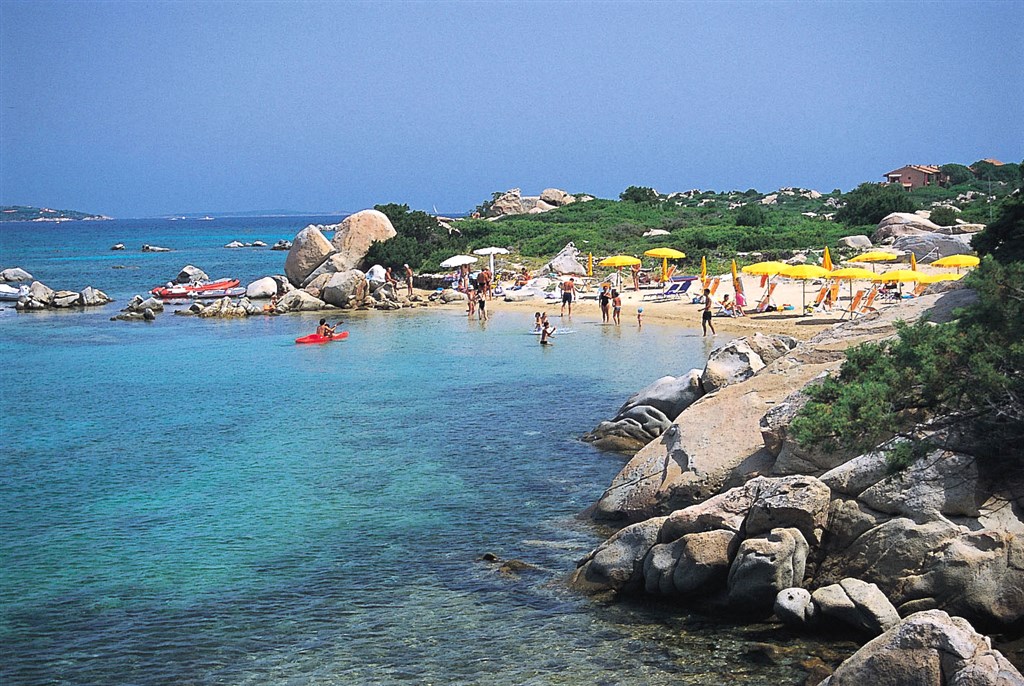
{"x": 42, "y": 297}
{"x": 191, "y": 274}
{"x": 927, "y": 649}
{"x": 309, "y": 250}
{"x": 902, "y": 224}
{"x": 14, "y": 274}
{"x": 647, "y": 413}
{"x": 932, "y": 246}
{"x": 345, "y": 289}
{"x": 513, "y": 202}
{"x": 357, "y": 233}
{"x": 567, "y": 261}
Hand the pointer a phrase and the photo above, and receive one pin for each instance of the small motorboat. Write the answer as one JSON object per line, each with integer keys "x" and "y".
{"x": 218, "y": 293}
{"x": 179, "y": 291}
{"x": 12, "y": 294}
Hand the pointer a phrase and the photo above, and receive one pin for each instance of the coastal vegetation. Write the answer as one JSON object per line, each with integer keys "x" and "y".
{"x": 701, "y": 223}
{"x": 25, "y": 213}
{"x": 954, "y": 385}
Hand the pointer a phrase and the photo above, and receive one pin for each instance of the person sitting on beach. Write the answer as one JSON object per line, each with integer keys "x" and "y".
{"x": 727, "y": 306}
{"x": 523, "y": 278}
{"x": 272, "y": 307}
{"x": 324, "y": 330}
{"x": 546, "y": 333}
{"x": 390, "y": 278}
{"x": 616, "y": 306}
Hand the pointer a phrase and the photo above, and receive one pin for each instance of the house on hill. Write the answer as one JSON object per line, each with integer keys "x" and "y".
{"x": 917, "y": 175}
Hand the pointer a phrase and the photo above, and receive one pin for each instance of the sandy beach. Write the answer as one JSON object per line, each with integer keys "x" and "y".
{"x": 683, "y": 312}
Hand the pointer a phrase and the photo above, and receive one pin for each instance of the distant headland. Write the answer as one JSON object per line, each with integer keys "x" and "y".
{"x": 24, "y": 213}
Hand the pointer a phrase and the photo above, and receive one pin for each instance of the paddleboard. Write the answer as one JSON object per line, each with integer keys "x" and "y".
{"x": 313, "y": 338}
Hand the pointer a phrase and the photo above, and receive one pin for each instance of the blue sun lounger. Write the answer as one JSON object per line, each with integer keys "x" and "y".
{"x": 677, "y": 288}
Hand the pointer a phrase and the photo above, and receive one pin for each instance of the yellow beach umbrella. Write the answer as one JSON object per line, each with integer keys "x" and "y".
{"x": 703, "y": 272}
{"x": 737, "y": 283}
{"x": 590, "y": 264}
{"x": 851, "y": 274}
{"x": 876, "y": 256}
{"x": 913, "y": 262}
{"x": 665, "y": 254}
{"x": 826, "y": 260}
{"x": 619, "y": 261}
{"x": 957, "y": 261}
{"x": 804, "y": 272}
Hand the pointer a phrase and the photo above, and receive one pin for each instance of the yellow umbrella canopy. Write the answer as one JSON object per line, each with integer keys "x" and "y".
{"x": 935, "y": 278}
{"x": 704, "y": 272}
{"x": 898, "y": 275}
{"x": 765, "y": 268}
{"x": 957, "y": 261}
{"x": 804, "y": 271}
{"x": 852, "y": 273}
{"x": 826, "y": 260}
{"x": 619, "y": 261}
{"x": 590, "y": 264}
{"x": 876, "y": 256}
{"x": 665, "y": 254}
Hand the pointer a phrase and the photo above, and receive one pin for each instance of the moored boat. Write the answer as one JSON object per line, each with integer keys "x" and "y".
{"x": 192, "y": 290}
{"x": 12, "y": 294}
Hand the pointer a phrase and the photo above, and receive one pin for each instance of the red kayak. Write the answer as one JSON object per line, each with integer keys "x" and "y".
{"x": 313, "y": 338}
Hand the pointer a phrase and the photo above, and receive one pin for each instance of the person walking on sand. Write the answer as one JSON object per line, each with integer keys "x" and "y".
{"x": 706, "y": 317}
{"x": 408, "y": 278}
{"x": 568, "y": 292}
{"x": 605, "y": 299}
{"x": 481, "y": 304}
{"x": 616, "y": 306}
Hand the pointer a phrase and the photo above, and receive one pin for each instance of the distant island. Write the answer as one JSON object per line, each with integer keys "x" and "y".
{"x": 23, "y": 213}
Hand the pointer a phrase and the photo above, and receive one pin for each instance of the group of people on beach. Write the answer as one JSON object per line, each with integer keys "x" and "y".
{"x": 611, "y": 305}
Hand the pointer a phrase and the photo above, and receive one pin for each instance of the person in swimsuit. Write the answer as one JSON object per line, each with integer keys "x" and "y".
{"x": 706, "y": 317}
{"x": 605, "y": 298}
{"x": 537, "y": 326}
{"x": 481, "y": 304}
{"x": 471, "y": 294}
{"x": 616, "y": 306}
{"x": 640, "y": 317}
{"x": 636, "y": 277}
{"x": 568, "y": 290}
{"x": 546, "y": 333}
{"x": 324, "y": 330}
{"x": 408, "y": 278}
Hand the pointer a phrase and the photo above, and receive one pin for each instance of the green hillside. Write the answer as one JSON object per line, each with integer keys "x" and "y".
{"x": 23, "y": 213}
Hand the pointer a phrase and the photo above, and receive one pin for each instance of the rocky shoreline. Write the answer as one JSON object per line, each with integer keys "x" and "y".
{"x": 721, "y": 508}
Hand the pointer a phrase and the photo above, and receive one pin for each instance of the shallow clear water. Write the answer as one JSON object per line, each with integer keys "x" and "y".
{"x": 195, "y": 501}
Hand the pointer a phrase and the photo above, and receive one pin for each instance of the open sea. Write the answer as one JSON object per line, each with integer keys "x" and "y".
{"x": 204, "y": 502}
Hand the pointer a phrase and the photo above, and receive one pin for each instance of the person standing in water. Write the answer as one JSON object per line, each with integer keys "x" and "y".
{"x": 616, "y": 306}
{"x": 706, "y": 317}
{"x": 640, "y": 317}
{"x": 481, "y": 303}
{"x": 604, "y": 299}
{"x": 546, "y": 333}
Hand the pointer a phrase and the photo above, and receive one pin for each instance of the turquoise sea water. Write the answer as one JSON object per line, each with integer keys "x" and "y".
{"x": 195, "y": 501}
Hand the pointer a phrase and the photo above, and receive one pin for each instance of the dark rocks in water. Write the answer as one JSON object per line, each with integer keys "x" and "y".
{"x": 507, "y": 567}
{"x": 282, "y": 245}
{"x": 154, "y": 248}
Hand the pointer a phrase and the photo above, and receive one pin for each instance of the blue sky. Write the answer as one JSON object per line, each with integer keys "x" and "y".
{"x": 148, "y": 108}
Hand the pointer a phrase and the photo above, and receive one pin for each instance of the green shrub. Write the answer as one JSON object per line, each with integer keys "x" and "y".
{"x": 943, "y": 216}
{"x": 751, "y": 215}
{"x": 870, "y": 202}
{"x": 639, "y": 194}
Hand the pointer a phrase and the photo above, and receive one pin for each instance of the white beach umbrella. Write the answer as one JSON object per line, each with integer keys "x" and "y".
{"x": 491, "y": 252}
{"x": 458, "y": 261}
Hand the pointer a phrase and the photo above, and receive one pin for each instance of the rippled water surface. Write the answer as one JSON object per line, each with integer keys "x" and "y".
{"x": 205, "y": 502}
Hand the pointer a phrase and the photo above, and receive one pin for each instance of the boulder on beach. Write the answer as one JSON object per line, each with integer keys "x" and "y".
{"x": 357, "y": 233}
{"x": 262, "y": 288}
{"x": 15, "y": 274}
{"x": 567, "y": 262}
{"x": 860, "y": 242}
{"x": 300, "y": 301}
{"x": 899, "y": 224}
{"x": 932, "y": 246}
{"x": 309, "y": 250}
{"x": 927, "y": 649}
{"x": 191, "y": 274}
{"x": 345, "y": 289}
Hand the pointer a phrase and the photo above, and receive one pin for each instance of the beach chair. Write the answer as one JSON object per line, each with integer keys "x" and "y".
{"x": 820, "y": 298}
{"x": 767, "y": 299}
{"x": 868, "y": 301}
{"x": 919, "y": 289}
{"x": 675, "y": 290}
{"x": 853, "y": 309}
{"x": 712, "y": 286}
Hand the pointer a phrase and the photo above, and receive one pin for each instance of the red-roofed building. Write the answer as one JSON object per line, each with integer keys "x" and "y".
{"x": 917, "y": 175}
